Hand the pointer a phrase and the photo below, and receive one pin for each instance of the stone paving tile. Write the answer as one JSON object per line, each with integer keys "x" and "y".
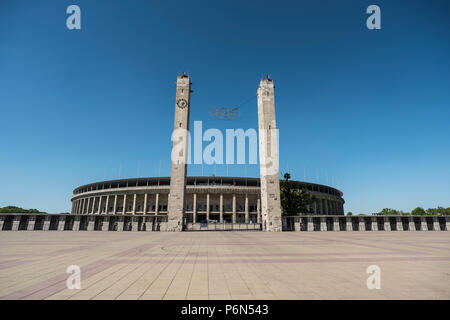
{"x": 224, "y": 265}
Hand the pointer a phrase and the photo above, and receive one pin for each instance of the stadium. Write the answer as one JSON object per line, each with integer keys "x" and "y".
{"x": 233, "y": 200}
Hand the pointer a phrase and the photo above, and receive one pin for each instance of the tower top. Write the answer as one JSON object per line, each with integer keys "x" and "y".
{"x": 183, "y": 75}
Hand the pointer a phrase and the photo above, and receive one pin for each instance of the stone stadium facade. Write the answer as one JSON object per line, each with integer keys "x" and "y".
{"x": 222, "y": 200}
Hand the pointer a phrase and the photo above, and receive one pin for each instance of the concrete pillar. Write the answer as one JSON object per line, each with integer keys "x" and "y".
{"x": 412, "y": 226}
{"x": 90, "y": 224}
{"x": 447, "y": 223}
{"x": 105, "y": 224}
{"x": 387, "y": 224}
{"x": 93, "y": 205}
{"x": 2, "y": 220}
{"x": 436, "y": 225}
{"x": 310, "y": 225}
{"x": 349, "y": 226}
{"x": 336, "y": 224}
{"x": 423, "y": 224}
{"x": 246, "y": 209}
{"x": 207, "y": 206}
{"x": 124, "y": 209}
{"x": 258, "y": 210}
{"x": 134, "y": 204}
{"x": 398, "y": 222}
{"x": 134, "y": 224}
{"x": 157, "y": 204}
{"x": 62, "y": 220}
{"x": 194, "y": 209}
{"x": 107, "y": 204}
{"x": 323, "y": 224}
{"x": 88, "y": 204}
{"x": 76, "y": 224}
{"x": 325, "y": 206}
{"x": 374, "y": 223}
{"x": 315, "y": 207}
{"x": 115, "y": 204}
{"x": 145, "y": 204}
{"x": 99, "y": 205}
{"x": 16, "y": 222}
{"x": 149, "y": 225}
{"x": 46, "y": 225}
{"x": 120, "y": 225}
{"x": 234, "y": 208}
{"x": 31, "y": 222}
{"x": 221, "y": 208}
{"x": 297, "y": 224}
{"x": 362, "y": 225}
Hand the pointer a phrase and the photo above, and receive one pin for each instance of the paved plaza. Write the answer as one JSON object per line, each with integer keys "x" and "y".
{"x": 224, "y": 265}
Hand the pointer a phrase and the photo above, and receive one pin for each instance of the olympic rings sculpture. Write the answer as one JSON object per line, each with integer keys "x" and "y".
{"x": 224, "y": 113}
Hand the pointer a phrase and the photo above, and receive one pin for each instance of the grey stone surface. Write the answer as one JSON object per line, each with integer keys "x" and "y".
{"x": 179, "y": 165}
{"x": 268, "y": 157}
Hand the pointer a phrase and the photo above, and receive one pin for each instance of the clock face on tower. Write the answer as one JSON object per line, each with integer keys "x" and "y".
{"x": 182, "y": 103}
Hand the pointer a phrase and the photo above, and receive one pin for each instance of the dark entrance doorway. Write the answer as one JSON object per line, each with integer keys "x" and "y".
{"x": 304, "y": 224}
{"x": 54, "y": 222}
{"x": 430, "y": 225}
{"x": 126, "y": 223}
{"x": 83, "y": 223}
{"x": 8, "y": 223}
{"x": 329, "y": 221}
{"x": 368, "y": 223}
{"x": 393, "y": 223}
{"x": 380, "y": 223}
{"x": 405, "y": 223}
{"x": 140, "y": 221}
{"x": 316, "y": 224}
{"x": 112, "y": 224}
{"x": 417, "y": 223}
{"x": 68, "y": 225}
{"x": 442, "y": 224}
{"x": 23, "y": 223}
{"x": 355, "y": 224}
{"x": 289, "y": 224}
{"x": 98, "y": 223}
{"x": 39, "y": 223}
{"x": 342, "y": 224}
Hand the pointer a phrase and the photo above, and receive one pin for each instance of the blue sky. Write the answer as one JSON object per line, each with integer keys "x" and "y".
{"x": 366, "y": 109}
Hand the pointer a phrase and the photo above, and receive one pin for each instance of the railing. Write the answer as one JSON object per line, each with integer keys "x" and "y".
{"x": 222, "y": 226}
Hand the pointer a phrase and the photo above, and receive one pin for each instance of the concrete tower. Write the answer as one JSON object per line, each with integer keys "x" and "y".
{"x": 179, "y": 154}
{"x": 268, "y": 157}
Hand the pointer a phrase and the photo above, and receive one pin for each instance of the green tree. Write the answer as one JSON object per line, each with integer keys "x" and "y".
{"x": 439, "y": 211}
{"x": 349, "y": 213}
{"x": 419, "y": 211}
{"x": 389, "y": 212}
{"x": 294, "y": 199}
{"x": 14, "y": 209}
